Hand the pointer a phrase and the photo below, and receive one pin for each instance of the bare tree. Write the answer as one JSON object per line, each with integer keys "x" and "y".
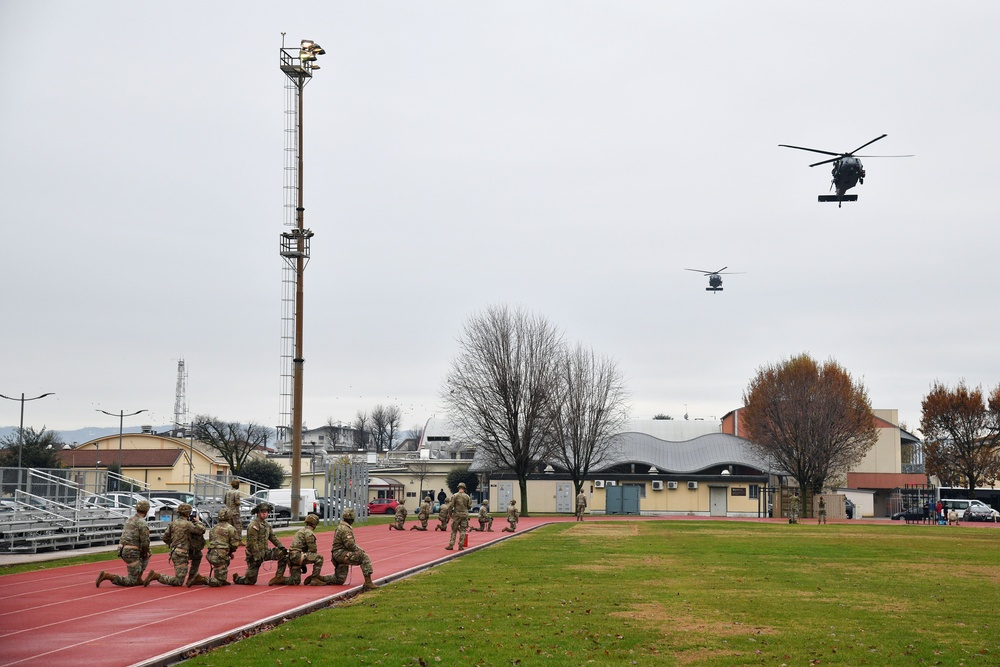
{"x": 961, "y": 430}
{"x": 362, "y": 425}
{"x": 420, "y": 469}
{"x": 385, "y": 421}
{"x": 592, "y": 409}
{"x": 813, "y": 420}
{"x": 501, "y": 387}
{"x": 234, "y": 441}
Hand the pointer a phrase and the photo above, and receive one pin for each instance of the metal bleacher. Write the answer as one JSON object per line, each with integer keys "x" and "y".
{"x": 46, "y": 509}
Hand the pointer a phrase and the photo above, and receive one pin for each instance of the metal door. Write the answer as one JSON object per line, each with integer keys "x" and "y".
{"x": 717, "y": 500}
{"x": 564, "y": 497}
{"x": 613, "y": 499}
{"x": 505, "y": 493}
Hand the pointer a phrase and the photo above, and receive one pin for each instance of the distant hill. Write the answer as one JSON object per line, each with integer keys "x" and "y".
{"x": 82, "y": 435}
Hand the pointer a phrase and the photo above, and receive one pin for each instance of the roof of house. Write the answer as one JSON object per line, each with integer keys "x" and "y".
{"x": 130, "y": 458}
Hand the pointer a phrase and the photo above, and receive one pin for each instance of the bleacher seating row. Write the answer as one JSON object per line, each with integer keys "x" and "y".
{"x": 30, "y": 530}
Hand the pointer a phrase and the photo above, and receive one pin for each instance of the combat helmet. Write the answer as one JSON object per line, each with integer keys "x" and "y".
{"x": 184, "y": 509}
{"x": 142, "y": 506}
{"x": 312, "y": 520}
{"x": 225, "y": 515}
{"x": 348, "y": 515}
{"x": 461, "y": 486}
{"x": 235, "y": 483}
{"x": 263, "y": 507}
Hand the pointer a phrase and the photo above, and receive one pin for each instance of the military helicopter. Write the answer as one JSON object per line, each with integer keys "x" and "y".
{"x": 715, "y": 277}
{"x": 847, "y": 170}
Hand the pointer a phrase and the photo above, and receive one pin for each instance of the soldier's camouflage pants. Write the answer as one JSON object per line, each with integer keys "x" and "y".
{"x": 219, "y": 560}
{"x": 181, "y": 562}
{"x": 459, "y": 528}
{"x": 253, "y": 565}
{"x": 136, "y": 565}
{"x": 297, "y": 561}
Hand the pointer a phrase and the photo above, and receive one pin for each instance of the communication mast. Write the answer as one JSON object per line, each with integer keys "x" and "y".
{"x": 180, "y": 399}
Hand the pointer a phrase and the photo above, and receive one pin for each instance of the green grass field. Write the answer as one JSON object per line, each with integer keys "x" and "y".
{"x": 671, "y": 593}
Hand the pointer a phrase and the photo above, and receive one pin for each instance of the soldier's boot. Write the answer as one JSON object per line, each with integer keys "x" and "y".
{"x": 369, "y": 584}
{"x": 278, "y": 580}
{"x": 104, "y": 576}
{"x": 152, "y": 576}
{"x": 197, "y": 580}
{"x": 413, "y": 527}
{"x": 489, "y": 530}
{"x": 391, "y": 526}
{"x": 237, "y": 579}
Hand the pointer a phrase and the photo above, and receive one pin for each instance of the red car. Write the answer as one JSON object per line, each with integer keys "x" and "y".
{"x": 383, "y": 506}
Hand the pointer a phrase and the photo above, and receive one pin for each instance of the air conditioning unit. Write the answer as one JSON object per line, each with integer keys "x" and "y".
{"x": 598, "y": 483}
{"x": 657, "y": 485}
{"x": 611, "y": 482}
{"x": 671, "y": 485}
{"x": 692, "y": 485}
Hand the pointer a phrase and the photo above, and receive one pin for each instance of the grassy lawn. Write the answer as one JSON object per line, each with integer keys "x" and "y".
{"x": 671, "y": 593}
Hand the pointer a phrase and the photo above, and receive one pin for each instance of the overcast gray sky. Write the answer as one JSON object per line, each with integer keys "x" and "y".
{"x": 571, "y": 158}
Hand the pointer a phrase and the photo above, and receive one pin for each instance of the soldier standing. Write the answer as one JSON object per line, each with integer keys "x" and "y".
{"x": 223, "y": 542}
{"x": 444, "y": 513}
{"x": 794, "y": 504}
{"x": 581, "y": 505}
{"x": 345, "y": 553}
{"x": 232, "y": 501}
{"x": 400, "y": 520}
{"x": 485, "y": 519}
{"x": 822, "y": 511}
{"x": 460, "y": 506}
{"x": 424, "y": 515}
{"x": 133, "y": 548}
{"x": 259, "y": 533}
{"x": 302, "y": 552}
{"x": 512, "y": 516}
{"x": 179, "y": 535}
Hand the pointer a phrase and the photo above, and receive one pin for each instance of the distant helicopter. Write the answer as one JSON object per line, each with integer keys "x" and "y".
{"x": 715, "y": 277}
{"x": 847, "y": 170}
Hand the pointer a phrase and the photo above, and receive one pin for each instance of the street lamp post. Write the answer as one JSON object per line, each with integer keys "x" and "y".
{"x": 298, "y": 65}
{"x": 121, "y": 427}
{"x": 20, "y": 430}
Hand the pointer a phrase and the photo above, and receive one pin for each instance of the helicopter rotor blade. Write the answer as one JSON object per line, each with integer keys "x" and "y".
{"x": 834, "y": 159}
{"x": 721, "y": 270}
{"x": 707, "y": 273}
{"x": 814, "y": 150}
{"x": 868, "y": 156}
{"x": 868, "y": 144}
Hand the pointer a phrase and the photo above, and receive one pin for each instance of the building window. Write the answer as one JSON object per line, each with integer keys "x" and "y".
{"x": 641, "y": 487}
{"x": 754, "y": 491}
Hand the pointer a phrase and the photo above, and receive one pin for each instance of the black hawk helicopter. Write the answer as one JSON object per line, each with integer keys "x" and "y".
{"x": 847, "y": 170}
{"x": 715, "y": 277}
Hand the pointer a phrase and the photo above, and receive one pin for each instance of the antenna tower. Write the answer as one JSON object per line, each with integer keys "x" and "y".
{"x": 180, "y": 399}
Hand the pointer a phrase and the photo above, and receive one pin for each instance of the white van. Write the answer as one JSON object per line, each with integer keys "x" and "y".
{"x": 960, "y": 504}
{"x": 308, "y": 502}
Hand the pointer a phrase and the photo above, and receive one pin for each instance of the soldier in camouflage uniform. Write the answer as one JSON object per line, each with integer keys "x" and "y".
{"x": 444, "y": 514}
{"x": 460, "y": 506}
{"x": 232, "y": 501}
{"x": 133, "y": 548}
{"x": 223, "y": 542}
{"x": 581, "y": 505}
{"x": 822, "y": 511}
{"x": 794, "y": 506}
{"x": 400, "y": 521}
{"x": 424, "y": 515}
{"x": 259, "y": 533}
{"x": 302, "y": 552}
{"x": 512, "y": 517}
{"x": 346, "y": 552}
{"x": 179, "y": 535}
{"x": 485, "y": 519}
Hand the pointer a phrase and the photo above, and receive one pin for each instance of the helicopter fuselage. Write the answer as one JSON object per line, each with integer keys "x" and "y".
{"x": 847, "y": 172}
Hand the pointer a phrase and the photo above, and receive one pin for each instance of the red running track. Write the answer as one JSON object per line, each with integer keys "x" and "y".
{"x": 57, "y": 617}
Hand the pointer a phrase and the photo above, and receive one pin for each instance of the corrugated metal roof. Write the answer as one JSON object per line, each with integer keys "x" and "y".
{"x": 687, "y": 456}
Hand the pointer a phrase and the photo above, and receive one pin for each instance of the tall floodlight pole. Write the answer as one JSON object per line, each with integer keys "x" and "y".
{"x": 298, "y": 65}
{"x": 20, "y": 430}
{"x": 121, "y": 428}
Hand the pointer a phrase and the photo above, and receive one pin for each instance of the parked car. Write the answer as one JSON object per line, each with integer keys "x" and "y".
{"x": 382, "y": 506}
{"x": 981, "y": 513}
{"x": 125, "y": 501}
